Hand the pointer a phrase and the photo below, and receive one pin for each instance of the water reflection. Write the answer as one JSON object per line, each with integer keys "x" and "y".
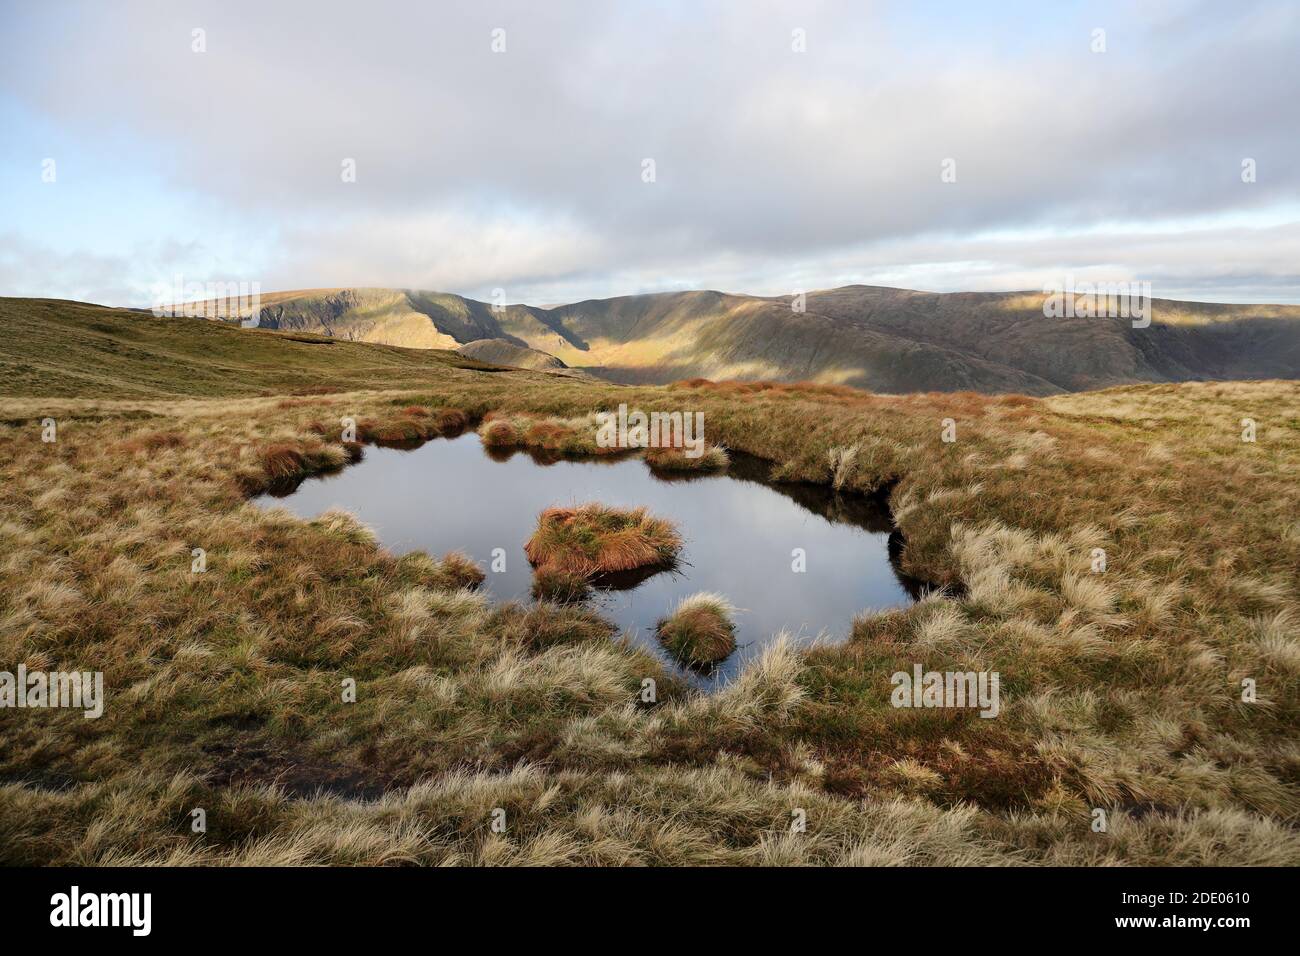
{"x": 740, "y": 529}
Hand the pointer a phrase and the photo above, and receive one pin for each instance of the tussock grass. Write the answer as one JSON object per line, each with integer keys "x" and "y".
{"x": 671, "y": 459}
{"x": 842, "y": 461}
{"x": 556, "y": 584}
{"x": 455, "y": 570}
{"x": 699, "y": 630}
{"x": 593, "y": 539}
{"x": 546, "y": 437}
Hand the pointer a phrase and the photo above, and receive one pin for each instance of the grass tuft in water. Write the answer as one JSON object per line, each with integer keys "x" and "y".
{"x": 700, "y": 629}
{"x": 594, "y": 539}
{"x": 714, "y": 458}
{"x": 559, "y": 586}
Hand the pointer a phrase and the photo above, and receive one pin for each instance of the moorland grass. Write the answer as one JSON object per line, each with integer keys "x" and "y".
{"x": 546, "y": 437}
{"x": 700, "y": 630}
{"x": 673, "y": 459}
{"x": 556, "y": 584}
{"x": 1122, "y": 688}
{"x": 592, "y": 539}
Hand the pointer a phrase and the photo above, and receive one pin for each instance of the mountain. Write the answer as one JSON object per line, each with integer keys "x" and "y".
{"x": 410, "y": 318}
{"x": 882, "y": 339}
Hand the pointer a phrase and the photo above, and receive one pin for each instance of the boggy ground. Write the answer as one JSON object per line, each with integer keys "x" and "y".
{"x": 1120, "y": 691}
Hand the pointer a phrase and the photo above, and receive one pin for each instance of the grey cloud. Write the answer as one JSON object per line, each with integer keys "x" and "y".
{"x": 762, "y": 155}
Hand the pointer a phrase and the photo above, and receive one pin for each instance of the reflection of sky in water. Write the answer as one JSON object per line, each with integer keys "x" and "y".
{"x": 449, "y": 495}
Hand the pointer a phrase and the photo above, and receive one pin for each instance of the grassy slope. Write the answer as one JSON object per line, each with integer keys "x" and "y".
{"x": 51, "y": 347}
{"x": 503, "y": 352}
{"x": 1120, "y": 691}
{"x": 1186, "y": 340}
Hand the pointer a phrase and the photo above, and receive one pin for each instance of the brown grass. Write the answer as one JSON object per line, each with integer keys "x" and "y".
{"x": 500, "y": 434}
{"x": 153, "y": 441}
{"x": 460, "y": 571}
{"x": 546, "y": 437}
{"x": 593, "y": 539}
{"x": 551, "y": 583}
{"x": 282, "y": 460}
{"x": 699, "y": 631}
{"x": 670, "y": 459}
{"x": 451, "y": 421}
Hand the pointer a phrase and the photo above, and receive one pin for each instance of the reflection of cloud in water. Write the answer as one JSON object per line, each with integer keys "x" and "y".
{"x": 739, "y": 528}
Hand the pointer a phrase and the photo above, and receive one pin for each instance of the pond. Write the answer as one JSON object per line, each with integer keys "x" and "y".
{"x": 740, "y": 529}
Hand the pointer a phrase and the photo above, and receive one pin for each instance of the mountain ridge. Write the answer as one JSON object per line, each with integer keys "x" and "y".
{"x": 875, "y": 337}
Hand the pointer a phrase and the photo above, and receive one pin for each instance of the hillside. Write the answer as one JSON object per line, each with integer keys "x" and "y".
{"x": 410, "y": 318}
{"x": 1121, "y": 690}
{"x": 504, "y": 352}
{"x": 1185, "y": 341}
{"x": 50, "y": 347}
{"x": 881, "y": 339}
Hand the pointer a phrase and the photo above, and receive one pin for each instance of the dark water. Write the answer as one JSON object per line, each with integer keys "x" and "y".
{"x": 739, "y": 531}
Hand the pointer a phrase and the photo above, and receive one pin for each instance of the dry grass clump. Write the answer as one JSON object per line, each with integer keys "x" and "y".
{"x": 280, "y": 462}
{"x": 551, "y": 583}
{"x": 593, "y": 539}
{"x": 413, "y": 423}
{"x": 699, "y": 630}
{"x": 445, "y": 420}
{"x": 153, "y": 441}
{"x": 397, "y": 431}
{"x": 500, "y": 433}
{"x": 675, "y": 459}
{"x": 841, "y": 461}
{"x": 459, "y": 570}
{"x": 690, "y": 383}
{"x": 451, "y": 421}
{"x": 544, "y": 437}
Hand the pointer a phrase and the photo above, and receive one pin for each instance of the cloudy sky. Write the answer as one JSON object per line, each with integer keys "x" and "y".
{"x": 525, "y": 169}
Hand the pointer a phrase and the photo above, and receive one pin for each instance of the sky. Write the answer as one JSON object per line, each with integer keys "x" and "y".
{"x": 567, "y": 150}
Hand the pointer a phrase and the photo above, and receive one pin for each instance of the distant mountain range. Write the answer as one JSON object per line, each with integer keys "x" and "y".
{"x": 883, "y": 339}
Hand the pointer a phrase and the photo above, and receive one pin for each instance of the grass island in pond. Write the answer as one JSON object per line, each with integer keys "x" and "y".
{"x": 528, "y": 521}
{"x": 699, "y": 631}
{"x": 592, "y": 540}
